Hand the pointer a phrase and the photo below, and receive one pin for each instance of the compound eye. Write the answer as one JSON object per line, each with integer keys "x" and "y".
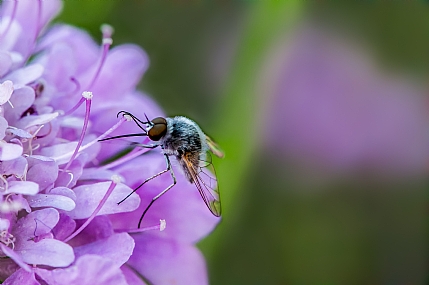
{"x": 158, "y": 130}
{"x": 159, "y": 120}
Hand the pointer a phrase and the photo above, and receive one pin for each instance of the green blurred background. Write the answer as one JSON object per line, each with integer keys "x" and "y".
{"x": 215, "y": 62}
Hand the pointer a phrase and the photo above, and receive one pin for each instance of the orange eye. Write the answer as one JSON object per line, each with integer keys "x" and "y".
{"x": 158, "y": 130}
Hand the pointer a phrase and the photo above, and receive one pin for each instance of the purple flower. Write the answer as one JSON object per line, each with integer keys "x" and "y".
{"x": 340, "y": 114}
{"x": 59, "y": 218}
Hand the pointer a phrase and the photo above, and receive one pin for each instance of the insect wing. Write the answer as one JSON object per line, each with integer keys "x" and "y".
{"x": 214, "y": 147}
{"x": 204, "y": 178}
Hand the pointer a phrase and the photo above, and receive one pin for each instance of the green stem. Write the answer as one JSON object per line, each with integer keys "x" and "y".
{"x": 240, "y": 114}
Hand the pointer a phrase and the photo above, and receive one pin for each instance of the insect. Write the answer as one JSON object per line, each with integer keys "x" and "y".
{"x": 182, "y": 138}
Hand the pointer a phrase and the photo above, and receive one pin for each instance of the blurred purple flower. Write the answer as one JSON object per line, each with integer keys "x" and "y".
{"x": 339, "y": 113}
{"x": 58, "y": 208}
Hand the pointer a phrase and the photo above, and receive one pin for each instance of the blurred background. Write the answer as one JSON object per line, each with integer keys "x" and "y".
{"x": 322, "y": 109}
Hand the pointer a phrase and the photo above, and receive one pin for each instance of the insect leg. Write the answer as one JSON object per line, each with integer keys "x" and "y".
{"x": 169, "y": 168}
{"x": 146, "y": 145}
{"x": 144, "y": 182}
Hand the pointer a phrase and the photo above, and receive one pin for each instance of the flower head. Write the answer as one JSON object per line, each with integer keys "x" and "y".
{"x": 60, "y": 222}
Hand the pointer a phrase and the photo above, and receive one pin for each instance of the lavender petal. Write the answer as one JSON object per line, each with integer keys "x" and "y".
{"x": 5, "y": 62}
{"x": 25, "y": 75}
{"x": 49, "y": 252}
{"x": 89, "y": 196}
{"x": 9, "y": 151}
{"x": 22, "y": 187}
{"x": 88, "y": 269}
{"x": 165, "y": 262}
{"x": 6, "y": 89}
{"x": 108, "y": 248}
{"x": 131, "y": 276}
{"x": 49, "y": 200}
{"x": 42, "y": 170}
{"x": 22, "y": 277}
{"x": 15, "y": 167}
{"x": 15, "y": 257}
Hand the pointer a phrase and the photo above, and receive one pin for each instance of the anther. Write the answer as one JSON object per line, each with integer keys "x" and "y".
{"x": 87, "y": 95}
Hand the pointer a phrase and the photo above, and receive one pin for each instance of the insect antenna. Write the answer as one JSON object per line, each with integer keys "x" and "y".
{"x": 149, "y": 122}
{"x": 138, "y": 123}
{"x": 135, "y": 119}
{"x": 124, "y": 136}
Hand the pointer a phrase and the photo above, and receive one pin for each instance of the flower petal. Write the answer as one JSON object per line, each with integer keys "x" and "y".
{"x": 99, "y": 228}
{"x": 97, "y": 174}
{"x": 42, "y": 170}
{"x": 22, "y": 187}
{"x": 131, "y": 276}
{"x": 165, "y": 262}
{"x": 22, "y": 202}
{"x": 15, "y": 257}
{"x": 77, "y": 40}
{"x": 5, "y": 62}
{"x": 124, "y": 65}
{"x": 89, "y": 196}
{"x": 7, "y": 268}
{"x": 49, "y": 252}
{"x": 32, "y": 16}
{"x": 36, "y": 223}
{"x": 15, "y": 167}
{"x": 21, "y": 277}
{"x": 21, "y": 99}
{"x": 36, "y": 120}
{"x": 49, "y": 200}
{"x": 9, "y": 151}
{"x": 108, "y": 248}
{"x": 25, "y": 75}
{"x": 89, "y": 269}
{"x": 6, "y": 90}
{"x": 19, "y": 132}
{"x": 4, "y": 224}
{"x": 3, "y": 127}
{"x": 64, "y": 227}
{"x": 64, "y": 191}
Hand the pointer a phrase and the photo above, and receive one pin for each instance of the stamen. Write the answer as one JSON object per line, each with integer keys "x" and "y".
{"x": 162, "y": 225}
{"x": 64, "y": 156}
{"x": 69, "y": 174}
{"x": 107, "y": 31}
{"x": 88, "y": 96}
{"x": 75, "y": 107}
{"x": 5, "y": 184}
{"x": 132, "y": 154}
{"x": 106, "y": 42}
{"x": 115, "y": 180}
{"x": 7, "y": 238}
{"x": 31, "y": 147}
{"x": 76, "y": 89}
{"x": 76, "y": 82}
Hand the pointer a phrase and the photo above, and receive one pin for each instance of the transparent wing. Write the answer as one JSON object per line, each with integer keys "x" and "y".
{"x": 214, "y": 147}
{"x": 204, "y": 178}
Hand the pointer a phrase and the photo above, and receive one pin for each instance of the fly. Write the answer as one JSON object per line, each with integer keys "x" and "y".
{"x": 182, "y": 138}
